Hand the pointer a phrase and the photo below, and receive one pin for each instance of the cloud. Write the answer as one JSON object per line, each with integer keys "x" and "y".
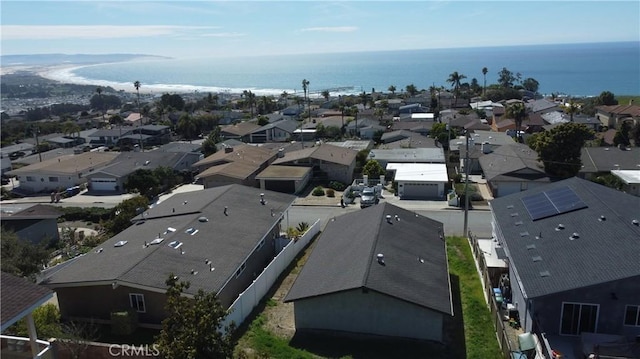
{"x": 331, "y": 29}
{"x": 57, "y": 32}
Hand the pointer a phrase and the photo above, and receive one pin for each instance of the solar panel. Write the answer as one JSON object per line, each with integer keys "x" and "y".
{"x": 539, "y": 206}
{"x": 553, "y": 202}
{"x": 565, "y": 199}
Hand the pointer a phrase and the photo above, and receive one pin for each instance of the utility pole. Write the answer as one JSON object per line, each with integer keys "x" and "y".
{"x": 466, "y": 185}
{"x": 35, "y": 131}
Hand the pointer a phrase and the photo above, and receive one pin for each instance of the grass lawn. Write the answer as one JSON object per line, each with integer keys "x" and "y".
{"x": 479, "y": 334}
{"x": 469, "y": 334}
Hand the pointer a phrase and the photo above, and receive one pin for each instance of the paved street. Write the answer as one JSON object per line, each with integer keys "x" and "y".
{"x": 303, "y": 210}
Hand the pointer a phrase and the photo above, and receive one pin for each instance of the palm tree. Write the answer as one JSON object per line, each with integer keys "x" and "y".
{"x": 484, "y": 73}
{"x": 454, "y": 79}
{"x": 325, "y": 94}
{"x": 572, "y": 108}
{"x": 518, "y": 112}
{"x": 354, "y": 112}
{"x": 412, "y": 90}
{"x": 364, "y": 99}
{"x": 250, "y": 98}
{"x": 137, "y": 85}
{"x": 305, "y": 88}
{"x": 392, "y": 89}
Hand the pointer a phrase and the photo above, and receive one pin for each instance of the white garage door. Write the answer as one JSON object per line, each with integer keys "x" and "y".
{"x": 103, "y": 184}
{"x": 420, "y": 190}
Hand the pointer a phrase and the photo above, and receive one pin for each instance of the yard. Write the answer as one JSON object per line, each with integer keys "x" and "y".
{"x": 270, "y": 333}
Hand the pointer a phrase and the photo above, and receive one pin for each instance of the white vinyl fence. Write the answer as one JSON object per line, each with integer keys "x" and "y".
{"x": 249, "y": 299}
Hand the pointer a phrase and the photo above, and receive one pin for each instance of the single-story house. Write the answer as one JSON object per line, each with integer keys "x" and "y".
{"x": 407, "y": 155}
{"x": 381, "y": 271}
{"x": 239, "y": 131}
{"x": 512, "y": 168}
{"x": 602, "y": 160}
{"x": 60, "y": 173}
{"x": 35, "y": 224}
{"x": 419, "y": 180}
{"x": 113, "y": 177}
{"x": 541, "y": 106}
{"x": 328, "y": 162}
{"x": 201, "y": 237}
{"x": 630, "y": 180}
{"x": 572, "y": 249}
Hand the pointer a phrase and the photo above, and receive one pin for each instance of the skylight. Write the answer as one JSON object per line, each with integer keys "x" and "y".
{"x": 175, "y": 244}
{"x": 120, "y": 243}
{"x": 157, "y": 241}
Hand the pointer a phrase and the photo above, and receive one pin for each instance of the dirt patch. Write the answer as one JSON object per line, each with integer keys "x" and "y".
{"x": 280, "y": 319}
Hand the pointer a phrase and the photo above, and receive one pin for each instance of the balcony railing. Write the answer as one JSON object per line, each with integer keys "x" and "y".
{"x": 20, "y": 347}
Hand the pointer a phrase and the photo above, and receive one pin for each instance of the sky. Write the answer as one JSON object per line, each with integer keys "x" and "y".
{"x": 190, "y": 29}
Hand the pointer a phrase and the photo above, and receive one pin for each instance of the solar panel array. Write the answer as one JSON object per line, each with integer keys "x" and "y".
{"x": 552, "y": 202}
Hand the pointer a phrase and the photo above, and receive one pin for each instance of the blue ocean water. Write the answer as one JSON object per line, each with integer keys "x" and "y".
{"x": 571, "y": 69}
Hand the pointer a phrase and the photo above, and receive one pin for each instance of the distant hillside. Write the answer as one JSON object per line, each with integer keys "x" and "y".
{"x": 59, "y": 59}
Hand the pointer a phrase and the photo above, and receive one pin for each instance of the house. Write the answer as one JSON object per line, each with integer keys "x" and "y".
{"x": 630, "y": 180}
{"x": 240, "y": 164}
{"x": 572, "y": 248}
{"x": 279, "y": 131}
{"x": 512, "y": 168}
{"x": 328, "y": 162}
{"x": 59, "y": 173}
{"x": 419, "y": 180}
{"x": 541, "y": 106}
{"x": 480, "y": 143}
{"x": 381, "y": 271}
{"x": 239, "y": 131}
{"x": 602, "y": 160}
{"x": 113, "y": 177}
{"x": 407, "y": 155}
{"x": 147, "y": 135}
{"x": 20, "y": 298}
{"x": 106, "y": 137}
{"x": 36, "y": 223}
{"x": 201, "y": 237}
{"x": 614, "y": 116}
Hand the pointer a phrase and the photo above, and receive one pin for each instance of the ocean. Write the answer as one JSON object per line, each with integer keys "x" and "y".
{"x": 570, "y": 69}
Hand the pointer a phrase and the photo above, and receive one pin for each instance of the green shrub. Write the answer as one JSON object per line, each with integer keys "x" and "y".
{"x": 318, "y": 191}
{"x": 338, "y": 186}
{"x": 124, "y": 322}
{"x": 331, "y": 192}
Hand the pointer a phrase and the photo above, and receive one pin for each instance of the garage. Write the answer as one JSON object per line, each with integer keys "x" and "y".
{"x": 285, "y": 186}
{"x": 419, "y": 180}
{"x": 103, "y": 184}
{"x": 418, "y": 190}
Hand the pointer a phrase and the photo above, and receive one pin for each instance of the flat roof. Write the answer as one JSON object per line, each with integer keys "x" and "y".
{"x": 627, "y": 176}
{"x": 419, "y": 172}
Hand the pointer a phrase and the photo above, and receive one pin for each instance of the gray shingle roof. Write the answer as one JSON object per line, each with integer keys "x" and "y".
{"x": 224, "y": 240}
{"x": 606, "y": 250}
{"x": 605, "y": 159}
{"x": 415, "y": 262}
{"x": 19, "y": 297}
{"x": 514, "y": 161}
{"x": 129, "y": 162}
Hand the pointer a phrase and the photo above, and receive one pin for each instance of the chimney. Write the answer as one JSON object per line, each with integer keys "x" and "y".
{"x": 228, "y": 149}
{"x": 280, "y": 153}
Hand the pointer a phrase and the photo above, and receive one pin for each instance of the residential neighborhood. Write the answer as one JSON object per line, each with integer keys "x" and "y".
{"x": 264, "y": 208}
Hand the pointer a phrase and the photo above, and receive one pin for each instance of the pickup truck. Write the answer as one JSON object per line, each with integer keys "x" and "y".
{"x": 368, "y": 197}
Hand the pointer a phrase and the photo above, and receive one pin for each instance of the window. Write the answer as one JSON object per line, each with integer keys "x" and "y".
{"x": 632, "y": 315}
{"x": 578, "y": 318}
{"x": 137, "y": 302}
{"x": 241, "y": 269}
{"x": 53, "y": 179}
{"x": 30, "y": 179}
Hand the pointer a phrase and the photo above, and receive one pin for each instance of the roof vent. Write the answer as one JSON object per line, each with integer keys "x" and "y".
{"x": 99, "y": 250}
{"x": 514, "y": 214}
{"x": 120, "y": 243}
{"x": 574, "y": 235}
{"x": 560, "y": 227}
{"x": 536, "y": 258}
{"x": 262, "y": 201}
{"x": 175, "y": 244}
{"x": 545, "y": 273}
{"x": 524, "y": 234}
{"x": 203, "y": 219}
{"x": 602, "y": 218}
{"x": 194, "y": 272}
{"x": 380, "y": 257}
{"x": 388, "y": 217}
{"x": 635, "y": 222}
{"x": 531, "y": 246}
{"x": 519, "y": 223}
{"x": 156, "y": 241}
{"x": 397, "y": 218}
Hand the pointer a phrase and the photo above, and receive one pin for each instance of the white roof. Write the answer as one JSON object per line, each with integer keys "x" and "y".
{"x": 422, "y": 116}
{"x": 627, "y": 176}
{"x": 419, "y": 172}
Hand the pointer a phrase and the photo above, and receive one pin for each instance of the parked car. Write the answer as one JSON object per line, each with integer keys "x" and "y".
{"x": 368, "y": 197}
